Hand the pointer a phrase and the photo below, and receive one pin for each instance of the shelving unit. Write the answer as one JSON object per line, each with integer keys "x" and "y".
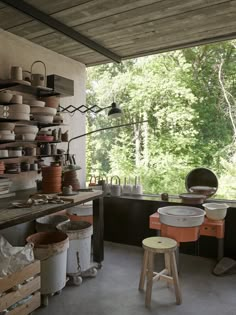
{"x": 31, "y": 156}
{"x": 25, "y": 88}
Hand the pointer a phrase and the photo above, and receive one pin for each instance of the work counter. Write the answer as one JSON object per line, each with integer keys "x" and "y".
{"x": 10, "y": 216}
{"x": 126, "y": 220}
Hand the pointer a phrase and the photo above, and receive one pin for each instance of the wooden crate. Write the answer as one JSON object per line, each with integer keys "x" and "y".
{"x": 10, "y": 297}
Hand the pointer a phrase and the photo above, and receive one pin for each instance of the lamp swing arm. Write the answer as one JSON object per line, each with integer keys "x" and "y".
{"x": 102, "y": 129}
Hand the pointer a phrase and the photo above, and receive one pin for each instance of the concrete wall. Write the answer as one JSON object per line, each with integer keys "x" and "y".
{"x": 18, "y": 51}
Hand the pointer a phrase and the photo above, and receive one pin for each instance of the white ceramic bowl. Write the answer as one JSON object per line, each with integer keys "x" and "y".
{"x": 216, "y": 211}
{"x": 5, "y": 132}
{"x": 36, "y": 103}
{"x": 43, "y": 119}
{"x": 5, "y": 97}
{"x": 26, "y": 136}
{"x": 43, "y": 110}
{"x": 19, "y": 108}
{"x": 181, "y": 216}
{"x": 10, "y": 137}
{"x": 7, "y": 126}
{"x": 22, "y": 129}
{"x": 18, "y": 116}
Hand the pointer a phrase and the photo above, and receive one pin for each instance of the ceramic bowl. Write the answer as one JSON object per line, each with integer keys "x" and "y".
{"x": 37, "y": 103}
{"x": 7, "y": 126}
{"x": 22, "y": 129}
{"x": 43, "y": 119}
{"x": 52, "y": 101}
{"x": 18, "y": 116}
{"x": 10, "y": 137}
{"x": 43, "y": 111}
{"x": 26, "y": 136}
{"x": 19, "y": 108}
{"x": 5, "y": 97}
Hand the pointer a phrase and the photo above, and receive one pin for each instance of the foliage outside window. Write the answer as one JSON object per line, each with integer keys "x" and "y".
{"x": 188, "y": 98}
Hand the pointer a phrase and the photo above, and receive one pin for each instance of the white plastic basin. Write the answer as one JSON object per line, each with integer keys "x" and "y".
{"x": 181, "y": 216}
{"x": 216, "y": 211}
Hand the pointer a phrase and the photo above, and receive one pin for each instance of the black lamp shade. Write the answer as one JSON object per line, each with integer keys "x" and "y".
{"x": 114, "y": 111}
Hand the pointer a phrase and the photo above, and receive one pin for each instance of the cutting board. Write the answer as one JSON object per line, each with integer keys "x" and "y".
{"x": 82, "y": 196}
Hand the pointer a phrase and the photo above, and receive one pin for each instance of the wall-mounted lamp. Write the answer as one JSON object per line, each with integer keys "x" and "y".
{"x": 114, "y": 112}
{"x": 101, "y": 129}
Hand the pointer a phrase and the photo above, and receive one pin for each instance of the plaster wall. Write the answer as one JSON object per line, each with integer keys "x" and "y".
{"x": 16, "y": 51}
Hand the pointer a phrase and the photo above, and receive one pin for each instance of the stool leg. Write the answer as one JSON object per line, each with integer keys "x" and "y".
{"x": 150, "y": 264}
{"x": 143, "y": 271}
{"x": 175, "y": 278}
{"x": 167, "y": 266}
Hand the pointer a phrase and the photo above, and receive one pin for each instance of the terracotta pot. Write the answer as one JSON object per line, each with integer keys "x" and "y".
{"x": 52, "y": 101}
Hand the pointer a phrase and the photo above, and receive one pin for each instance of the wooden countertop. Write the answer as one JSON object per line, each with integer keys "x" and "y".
{"x": 10, "y": 216}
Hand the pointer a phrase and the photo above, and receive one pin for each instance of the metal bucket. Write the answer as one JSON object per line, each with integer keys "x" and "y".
{"x": 78, "y": 256}
{"x": 51, "y": 249}
{"x": 81, "y": 213}
{"x": 50, "y": 222}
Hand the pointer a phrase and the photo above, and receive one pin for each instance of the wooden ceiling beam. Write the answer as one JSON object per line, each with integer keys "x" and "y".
{"x": 62, "y": 28}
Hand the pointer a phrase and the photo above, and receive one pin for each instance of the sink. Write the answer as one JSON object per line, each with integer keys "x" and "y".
{"x": 181, "y": 216}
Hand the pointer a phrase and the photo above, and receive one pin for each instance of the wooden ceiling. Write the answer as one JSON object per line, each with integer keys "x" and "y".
{"x": 126, "y": 28}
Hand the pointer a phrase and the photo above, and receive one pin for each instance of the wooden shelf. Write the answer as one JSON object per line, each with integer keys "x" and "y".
{"x": 31, "y": 156}
{"x": 29, "y": 89}
{"x": 32, "y": 122}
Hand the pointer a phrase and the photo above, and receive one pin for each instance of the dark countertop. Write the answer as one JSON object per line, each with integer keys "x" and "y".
{"x": 172, "y": 199}
{"x": 10, "y": 216}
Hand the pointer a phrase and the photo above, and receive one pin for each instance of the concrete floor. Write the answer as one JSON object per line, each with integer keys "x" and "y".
{"x": 114, "y": 290}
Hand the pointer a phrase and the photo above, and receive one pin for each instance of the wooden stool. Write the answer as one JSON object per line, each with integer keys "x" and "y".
{"x": 159, "y": 245}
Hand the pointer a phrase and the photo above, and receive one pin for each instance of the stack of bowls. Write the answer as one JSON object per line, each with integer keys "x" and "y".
{"x": 70, "y": 179}
{"x": 26, "y": 132}
{"x": 51, "y": 179}
{"x": 18, "y": 111}
{"x": 6, "y": 131}
{"x": 41, "y": 113}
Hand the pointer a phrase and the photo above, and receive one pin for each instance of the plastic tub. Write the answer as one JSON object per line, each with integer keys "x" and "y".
{"x": 50, "y": 222}
{"x": 215, "y": 211}
{"x": 51, "y": 249}
{"x": 79, "y": 233}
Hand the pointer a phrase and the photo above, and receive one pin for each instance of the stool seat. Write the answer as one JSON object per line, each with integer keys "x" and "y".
{"x": 159, "y": 245}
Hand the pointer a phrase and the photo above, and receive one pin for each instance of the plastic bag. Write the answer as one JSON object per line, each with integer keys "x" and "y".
{"x": 13, "y": 258}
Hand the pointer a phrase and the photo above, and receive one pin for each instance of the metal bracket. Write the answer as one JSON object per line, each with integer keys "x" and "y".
{"x": 82, "y": 109}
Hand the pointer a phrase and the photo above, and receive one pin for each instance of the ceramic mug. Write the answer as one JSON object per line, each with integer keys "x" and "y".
{"x": 16, "y": 73}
